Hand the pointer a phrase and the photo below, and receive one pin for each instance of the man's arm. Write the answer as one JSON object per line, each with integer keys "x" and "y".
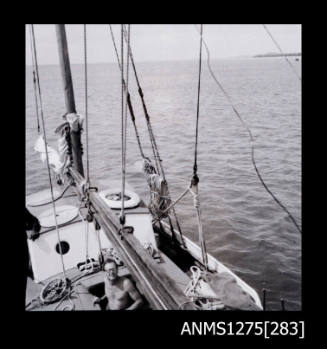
{"x": 134, "y": 294}
{"x": 97, "y": 300}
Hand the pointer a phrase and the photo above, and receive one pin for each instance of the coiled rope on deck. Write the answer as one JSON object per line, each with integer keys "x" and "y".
{"x": 250, "y": 136}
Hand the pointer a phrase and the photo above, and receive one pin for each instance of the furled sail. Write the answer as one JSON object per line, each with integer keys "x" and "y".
{"x": 159, "y": 198}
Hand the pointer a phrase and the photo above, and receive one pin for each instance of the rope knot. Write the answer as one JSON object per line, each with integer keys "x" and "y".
{"x": 196, "y": 199}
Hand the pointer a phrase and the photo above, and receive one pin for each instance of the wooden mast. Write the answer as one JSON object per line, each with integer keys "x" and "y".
{"x": 75, "y": 135}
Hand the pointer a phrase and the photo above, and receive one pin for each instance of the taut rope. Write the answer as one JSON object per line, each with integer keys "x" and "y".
{"x": 124, "y": 90}
{"x": 129, "y": 102}
{"x": 86, "y": 109}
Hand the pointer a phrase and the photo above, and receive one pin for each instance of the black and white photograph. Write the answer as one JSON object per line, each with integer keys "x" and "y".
{"x": 163, "y": 168}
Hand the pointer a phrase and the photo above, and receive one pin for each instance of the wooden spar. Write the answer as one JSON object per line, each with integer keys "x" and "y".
{"x": 159, "y": 288}
{"x": 75, "y": 136}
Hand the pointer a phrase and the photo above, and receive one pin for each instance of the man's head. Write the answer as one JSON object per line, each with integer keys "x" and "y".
{"x": 111, "y": 268}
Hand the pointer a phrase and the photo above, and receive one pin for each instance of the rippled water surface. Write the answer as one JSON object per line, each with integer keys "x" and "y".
{"x": 244, "y": 227}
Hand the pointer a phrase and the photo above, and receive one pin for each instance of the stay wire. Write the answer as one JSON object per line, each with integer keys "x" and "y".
{"x": 195, "y": 166}
{"x": 122, "y": 123}
{"x": 87, "y": 141}
{"x": 86, "y": 107}
{"x": 126, "y": 96}
{"x": 129, "y": 101}
{"x": 155, "y": 150}
{"x": 125, "y": 89}
{"x": 251, "y": 139}
{"x": 281, "y": 51}
{"x": 46, "y": 152}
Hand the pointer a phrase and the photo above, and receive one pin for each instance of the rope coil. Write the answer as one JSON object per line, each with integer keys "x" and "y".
{"x": 54, "y": 290}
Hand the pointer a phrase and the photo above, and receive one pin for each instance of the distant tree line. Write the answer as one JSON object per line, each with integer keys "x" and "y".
{"x": 278, "y": 54}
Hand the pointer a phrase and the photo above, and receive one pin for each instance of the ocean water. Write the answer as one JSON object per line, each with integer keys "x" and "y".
{"x": 243, "y": 226}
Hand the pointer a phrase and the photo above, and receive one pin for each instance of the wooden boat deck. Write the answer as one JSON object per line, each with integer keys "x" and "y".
{"x": 83, "y": 295}
{"x": 172, "y": 271}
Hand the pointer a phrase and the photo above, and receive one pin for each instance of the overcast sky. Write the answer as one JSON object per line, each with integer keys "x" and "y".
{"x": 162, "y": 42}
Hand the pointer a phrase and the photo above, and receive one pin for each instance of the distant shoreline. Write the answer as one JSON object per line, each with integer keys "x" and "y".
{"x": 277, "y": 55}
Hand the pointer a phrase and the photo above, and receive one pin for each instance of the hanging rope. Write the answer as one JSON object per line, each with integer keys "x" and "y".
{"x": 281, "y": 51}
{"x": 250, "y": 136}
{"x": 46, "y": 151}
{"x": 34, "y": 84}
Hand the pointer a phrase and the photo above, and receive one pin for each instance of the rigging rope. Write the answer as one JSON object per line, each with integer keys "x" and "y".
{"x": 159, "y": 167}
{"x": 122, "y": 217}
{"x": 195, "y": 179}
{"x": 34, "y": 84}
{"x": 195, "y": 167}
{"x": 86, "y": 109}
{"x": 124, "y": 89}
{"x": 152, "y": 140}
{"x": 155, "y": 150}
{"x": 125, "y": 111}
{"x": 87, "y": 204}
{"x": 130, "y": 107}
{"x": 250, "y": 136}
{"x": 46, "y": 151}
{"x": 281, "y": 51}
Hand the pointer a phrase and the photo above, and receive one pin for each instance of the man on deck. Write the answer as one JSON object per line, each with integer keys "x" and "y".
{"x": 120, "y": 291}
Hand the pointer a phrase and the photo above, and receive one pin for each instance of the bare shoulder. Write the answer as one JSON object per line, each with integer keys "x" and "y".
{"x": 128, "y": 284}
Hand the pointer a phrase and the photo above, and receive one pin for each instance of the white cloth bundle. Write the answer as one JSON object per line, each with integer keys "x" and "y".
{"x": 54, "y": 158}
